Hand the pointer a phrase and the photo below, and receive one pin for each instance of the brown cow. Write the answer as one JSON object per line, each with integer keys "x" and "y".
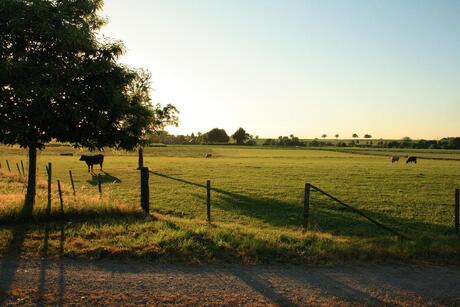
{"x": 394, "y": 159}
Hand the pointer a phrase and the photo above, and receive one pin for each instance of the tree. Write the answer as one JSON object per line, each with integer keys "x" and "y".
{"x": 337, "y": 136}
{"x": 367, "y": 136}
{"x": 59, "y": 80}
{"x": 324, "y": 136}
{"x": 217, "y": 135}
{"x": 355, "y": 135}
{"x": 240, "y": 136}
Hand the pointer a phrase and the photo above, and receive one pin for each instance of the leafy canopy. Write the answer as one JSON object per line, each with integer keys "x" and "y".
{"x": 240, "y": 136}
{"x": 217, "y": 135}
{"x": 59, "y": 79}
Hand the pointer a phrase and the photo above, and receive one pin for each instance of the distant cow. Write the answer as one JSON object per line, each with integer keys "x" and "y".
{"x": 412, "y": 159}
{"x": 91, "y": 160}
{"x": 208, "y": 155}
{"x": 394, "y": 159}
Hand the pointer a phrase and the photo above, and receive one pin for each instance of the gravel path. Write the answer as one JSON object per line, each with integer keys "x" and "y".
{"x": 72, "y": 282}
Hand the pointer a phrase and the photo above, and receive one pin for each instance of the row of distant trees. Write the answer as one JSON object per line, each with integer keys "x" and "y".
{"x": 241, "y": 137}
{"x": 354, "y": 135}
{"x": 213, "y": 136}
{"x": 406, "y": 142}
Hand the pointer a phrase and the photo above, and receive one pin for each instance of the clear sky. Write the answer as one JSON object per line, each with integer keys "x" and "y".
{"x": 388, "y": 68}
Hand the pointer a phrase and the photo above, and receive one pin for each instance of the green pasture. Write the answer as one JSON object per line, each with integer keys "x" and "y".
{"x": 257, "y": 197}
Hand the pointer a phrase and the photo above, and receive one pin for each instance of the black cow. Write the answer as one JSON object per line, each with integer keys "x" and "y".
{"x": 412, "y": 159}
{"x": 91, "y": 160}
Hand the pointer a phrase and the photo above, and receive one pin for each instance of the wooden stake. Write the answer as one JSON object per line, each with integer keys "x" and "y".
{"x": 141, "y": 158}
{"x": 306, "y": 206}
{"x": 49, "y": 171}
{"x": 208, "y": 200}
{"x": 19, "y": 170}
{"x": 457, "y": 211}
{"x": 71, "y": 181}
{"x": 60, "y": 197}
{"x": 8, "y": 165}
{"x": 145, "y": 192}
{"x": 99, "y": 183}
{"x": 22, "y": 166}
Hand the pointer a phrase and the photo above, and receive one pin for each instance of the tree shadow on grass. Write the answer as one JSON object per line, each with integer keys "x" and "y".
{"x": 88, "y": 214}
{"x": 105, "y": 178}
{"x": 325, "y": 216}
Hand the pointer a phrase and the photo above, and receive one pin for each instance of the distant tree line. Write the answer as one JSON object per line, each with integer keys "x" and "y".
{"x": 213, "y": 136}
{"x": 241, "y": 137}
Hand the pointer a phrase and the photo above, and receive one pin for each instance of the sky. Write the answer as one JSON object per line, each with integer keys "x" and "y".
{"x": 279, "y": 67}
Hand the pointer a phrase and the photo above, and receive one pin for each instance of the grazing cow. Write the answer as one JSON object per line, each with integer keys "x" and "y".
{"x": 412, "y": 159}
{"x": 208, "y": 155}
{"x": 91, "y": 160}
{"x": 394, "y": 159}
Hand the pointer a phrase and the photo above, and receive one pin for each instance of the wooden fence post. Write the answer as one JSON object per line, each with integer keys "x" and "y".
{"x": 306, "y": 206}
{"x": 8, "y": 165}
{"x": 71, "y": 181}
{"x": 0, "y": 165}
{"x": 19, "y": 170}
{"x": 208, "y": 200}
{"x": 457, "y": 211}
{"x": 22, "y": 166}
{"x": 99, "y": 184}
{"x": 49, "y": 171}
{"x": 140, "y": 162}
{"x": 60, "y": 197}
{"x": 145, "y": 192}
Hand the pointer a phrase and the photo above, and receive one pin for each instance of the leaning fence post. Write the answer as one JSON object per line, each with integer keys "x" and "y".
{"x": 457, "y": 211}
{"x": 49, "y": 170}
{"x": 60, "y": 197}
{"x": 306, "y": 205}
{"x": 145, "y": 192}
{"x": 208, "y": 200}
{"x": 71, "y": 181}
{"x": 0, "y": 165}
{"x": 22, "y": 166}
{"x": 8, "y": 165}
{"x": 19, "y": 170}
{"x": 99, "y": 184}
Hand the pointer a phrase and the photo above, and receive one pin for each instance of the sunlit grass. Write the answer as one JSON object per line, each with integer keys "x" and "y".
{"x": 256, "y": 207}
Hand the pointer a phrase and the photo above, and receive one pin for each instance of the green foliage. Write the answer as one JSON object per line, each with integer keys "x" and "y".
{"x": 216, "y": 135}
{"x": 59, "y": 81}
{"x": 240, "y": 136}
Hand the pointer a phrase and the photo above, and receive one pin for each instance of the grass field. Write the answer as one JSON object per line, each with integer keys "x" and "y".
{"x": 256, "y": 206}
{"x": 435, "y": 154}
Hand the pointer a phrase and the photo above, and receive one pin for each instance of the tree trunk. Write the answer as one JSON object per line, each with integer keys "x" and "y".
{"x": 31, "y": 182}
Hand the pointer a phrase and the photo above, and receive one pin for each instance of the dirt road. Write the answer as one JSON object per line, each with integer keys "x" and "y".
{"x": 72, "y": 282}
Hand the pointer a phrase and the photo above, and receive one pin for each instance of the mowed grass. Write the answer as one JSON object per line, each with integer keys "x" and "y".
{"x": 257, "y": 196}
